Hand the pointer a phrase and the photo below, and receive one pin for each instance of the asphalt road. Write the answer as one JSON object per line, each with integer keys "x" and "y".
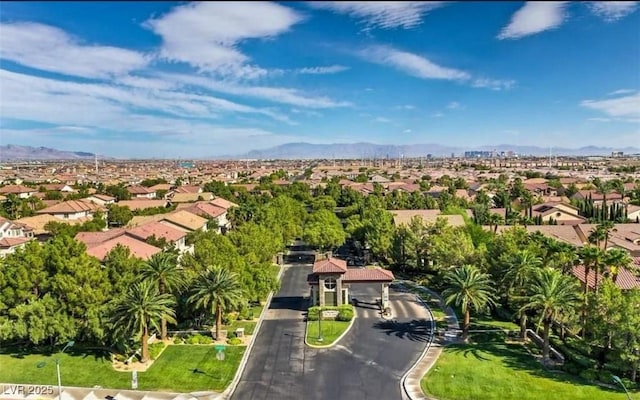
{"x": 367, "y": 363}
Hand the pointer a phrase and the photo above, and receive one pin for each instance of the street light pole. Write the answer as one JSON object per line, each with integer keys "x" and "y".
{"x": 43, "y": 363}
{"x": 59, "y": 380}
{"x": 320, "y": 339}
{"x": 617, "y": 380}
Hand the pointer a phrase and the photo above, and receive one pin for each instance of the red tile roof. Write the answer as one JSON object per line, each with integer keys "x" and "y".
{"x": 70, "y": 207}
{"x": 158, "y": 230}
{"x": 368, "y": 275}
{"x": 8, "y": 243}
{"x": 331, "y": 265}
{"x": 625, "y": 279}
{"x": 17, "y": 189}
{"x": 92, "y": 239}
{"x": 137, "y": 247}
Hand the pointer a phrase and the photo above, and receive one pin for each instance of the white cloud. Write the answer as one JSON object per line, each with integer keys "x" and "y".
{"x": 598, "y": 119}
{"x": 494, "y": 84}
{"x": 407, "y": 131}
{"x": 406, "y": 107}
{"x": 111, "y": 107}
{"x": 437, "y": 115}
{"x": 51, "y": 49}
{"x": 273, "y": 94}
{"x": 625, "y": 107}
{"x": 612, "y": 11}
{"x": 333, "y": 69}
{"x": 382, "y": 14}
{"x": 534, "y": 17}
{"x": 454, "y": 105}
{"x": 206, "y": 35}
{"x": 621, "y": 91}
{"x": 411, "y": 64}
{"x": 382, "y": 120}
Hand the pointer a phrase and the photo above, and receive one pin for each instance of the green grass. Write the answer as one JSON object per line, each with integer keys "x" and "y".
{"x": 504, "y": 371}
{"x": 249, "y": 327}
{"x": 173, "y": 371}
{"x": 331, "y": 330}
{"x": 486, "y": 322}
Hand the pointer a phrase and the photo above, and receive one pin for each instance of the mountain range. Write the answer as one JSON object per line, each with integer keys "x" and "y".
{"x": 330, "y": 151}
{"x": 370, "y": 150}
{"x": 15, "y": 152}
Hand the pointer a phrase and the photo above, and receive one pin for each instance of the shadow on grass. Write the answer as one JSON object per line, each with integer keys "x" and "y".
{"x": 20, "y": 352}
{"x": 514, "y": 356}
{"x": 415, "y": 330}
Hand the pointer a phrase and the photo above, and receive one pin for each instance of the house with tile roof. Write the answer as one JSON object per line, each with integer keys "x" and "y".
{"x": 173, "y": 236}
{"x": 23, "y": 192}
{"x": 404, "y": 217}
{"x": 141, "y": 192}
{"x": 99, "y": 244}
{"x": 13, "y": 235}
{"x": 72, "y": 209}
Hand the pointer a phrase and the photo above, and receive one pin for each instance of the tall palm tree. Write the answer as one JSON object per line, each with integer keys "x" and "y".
{"x": 604, "y": 188}
{"x": 217, "y": 290}
{"x": 162, "y": 270}
{"x": 591, "y": 258}
{"x": 494, "y": 220}
{"x": 468, "y": 288}
{"x": 615, "y": 259}
{"x": 552, "y": 294}
{"x": 140, "y": 309}
{"x": 521, "y": 269}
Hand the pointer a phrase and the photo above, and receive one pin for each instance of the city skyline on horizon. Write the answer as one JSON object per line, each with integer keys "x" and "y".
{"x": 212, "y": 79}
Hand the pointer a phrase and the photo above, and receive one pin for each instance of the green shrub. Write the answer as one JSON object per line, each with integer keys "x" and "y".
{"x": 155, "y": 349}
{"x": 589, "y": 374}
{"x": 192, "y": 339}
{"x": 579, "y": 346}
{"x": 312, "y": 313}
{"x": 605, "y": 376}
{"x": 120, "y": 357}
{"x": 345, "y": 313}
{"x": 244, "y": 312}
{"x": 204, "y": 339}
{"x": 234, "y": 341}
{"x": 571, "y": 355}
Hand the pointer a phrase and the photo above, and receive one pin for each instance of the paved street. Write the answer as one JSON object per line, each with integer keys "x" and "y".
{"x": 366, "y": 364}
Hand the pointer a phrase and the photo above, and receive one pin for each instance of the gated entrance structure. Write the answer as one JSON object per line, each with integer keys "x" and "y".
{"x": 330, "y": 279}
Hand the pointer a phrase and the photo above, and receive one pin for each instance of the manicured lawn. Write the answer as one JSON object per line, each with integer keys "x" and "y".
{"x": 331, "y": 330}
{"x": 185, "y": 368}
{"x": 173, "y": 371}
{"x": 486, "y": 322}
{"x": 504, "y": 371}
{"x": 248, "y": 326}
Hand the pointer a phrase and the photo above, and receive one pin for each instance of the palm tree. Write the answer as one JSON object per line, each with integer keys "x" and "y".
{"x": 615, "y": 259}
{"x": 552, "y": 293}
{"x": 468, "y": 288}
{"x": 603, "y": 188}
{"x": 494, "y": 220}
{"x": 521, "y": 269}
{"x": 217, "y": 290}
{"x": 140, "y": 309}
{"x": 162, "y": 270}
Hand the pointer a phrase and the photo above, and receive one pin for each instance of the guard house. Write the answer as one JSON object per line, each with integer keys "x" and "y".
{"x": 330, "y": 281}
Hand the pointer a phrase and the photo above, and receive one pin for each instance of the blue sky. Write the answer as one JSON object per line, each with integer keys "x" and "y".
{"x": 166, "y": 79}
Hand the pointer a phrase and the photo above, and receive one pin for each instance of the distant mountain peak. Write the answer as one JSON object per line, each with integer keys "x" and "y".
{"x": 17, "y": 152}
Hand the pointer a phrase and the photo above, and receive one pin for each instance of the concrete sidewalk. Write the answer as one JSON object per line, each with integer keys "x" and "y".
{"x": 13, "y": 391}
{"x": 411, "y": 380}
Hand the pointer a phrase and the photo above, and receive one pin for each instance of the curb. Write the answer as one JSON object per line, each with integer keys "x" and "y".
{"x": 405, "y": 392}
{"x": 228, "y": 392}
{"x": 326, "y": 346}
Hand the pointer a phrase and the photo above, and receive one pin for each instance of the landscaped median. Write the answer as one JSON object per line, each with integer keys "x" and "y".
{"x": 494, "y": 370}
{"x": 327, "y": 325}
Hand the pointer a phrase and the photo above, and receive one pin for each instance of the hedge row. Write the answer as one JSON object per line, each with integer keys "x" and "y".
{"x": 345, "y": 312}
